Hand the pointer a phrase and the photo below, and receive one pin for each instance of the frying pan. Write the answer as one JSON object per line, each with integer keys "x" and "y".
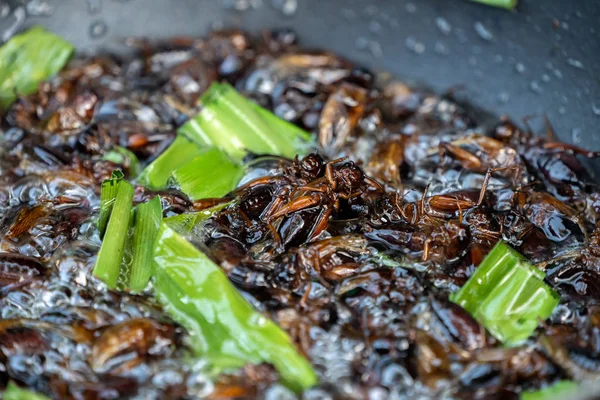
{"x": 543, "y": 58}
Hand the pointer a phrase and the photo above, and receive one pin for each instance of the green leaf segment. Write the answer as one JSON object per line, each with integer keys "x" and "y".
{"x": 559, "y": 390}
{"x": 507, "y": 295}
{"x": 237, "y": 126}
{"x": 185, "y": 223}
{"x": 147, "y": 221}
{"x": 180, "y": 152}
{"x": 223, "y": 325}
{"x": 13, "y": 392}
{"x": 113, "y": 246}
{"x": 508, "y": 4}
{"x": 108, "y": 194}
{"x": 225, "y": 131}
{"x": 28, "y": 59}
{"x": 125, "y": 158}
{"x": 210, "y": 174}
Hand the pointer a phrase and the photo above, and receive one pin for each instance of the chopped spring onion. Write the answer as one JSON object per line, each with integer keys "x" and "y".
{"x": 508, "y": 4}
{"x": 507, "y": 295}
{"x": 301, "y": 139}
{"x": 108, "y": 192}
{"x": 211, "y": 174}
{"x": 109, "y": 258}
{"x": 186, "y": 222}
{"x": 28, "y": 59}
{"x": 125, "y": 158}
{"x": 147, "y": 221}
{"x": 13, "y": 392}
{"x": 127, "y": 259}
{"x": 233, "y": 124}
{"x": 559, "y": 390}
{"x": 180, "y": 152}
{"x": 223, "y": 326}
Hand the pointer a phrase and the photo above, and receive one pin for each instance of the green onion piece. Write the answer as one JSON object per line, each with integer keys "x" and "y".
{"x": 302, "y": 141}
{"x": 222, "y": 132}
{"x": 180, "y": 152}
{"x": 127, "y": 259}
{"x": 147, "y": 221}
{"x": 111, "y": 252}
{"x": 227, "y": 111}
{"x": 233, "y": 124}
{"x": 507, "y": 295}
{"x": 28, "y": 59}
{"x": 185, "y": 223}
{"x": 237, "y": 125}
{"x": 211, "y": 174}
{"x": 558, "y": 390}
{"x": 13, "y": 392}
{"x": 194, "y": 132}
{"x": 223, "y": 326}
{"x": 108, "y": 192}
{"x": 125, "y": 158}
{"x": 508, "y": 4}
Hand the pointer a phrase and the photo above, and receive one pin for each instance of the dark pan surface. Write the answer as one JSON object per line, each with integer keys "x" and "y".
{"x": 544, "y": 58}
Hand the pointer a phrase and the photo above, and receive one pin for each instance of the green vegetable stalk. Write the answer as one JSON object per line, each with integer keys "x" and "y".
{"x": 28, "y": 59}
{"x": 507, "y": 295}
{"x": 224, "y": 327}
{"x": 508, "y": 4}
{"x": 180, "y": 152}
{"x": 558, "y": 390}
{"x": 211, "y": 174}
{"x": 186, "y": 222}
{"x": 147, "y": 221}
{"x": 125, "y": 158}
{"x": 233, "y": 124}
{"x": 108, "y": 193}
{"x": 109, "y": 258}
{"x": 13, "y": 392}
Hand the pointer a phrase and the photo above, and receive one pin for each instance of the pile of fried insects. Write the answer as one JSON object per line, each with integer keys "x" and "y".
{"x": 237, "y": 217}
